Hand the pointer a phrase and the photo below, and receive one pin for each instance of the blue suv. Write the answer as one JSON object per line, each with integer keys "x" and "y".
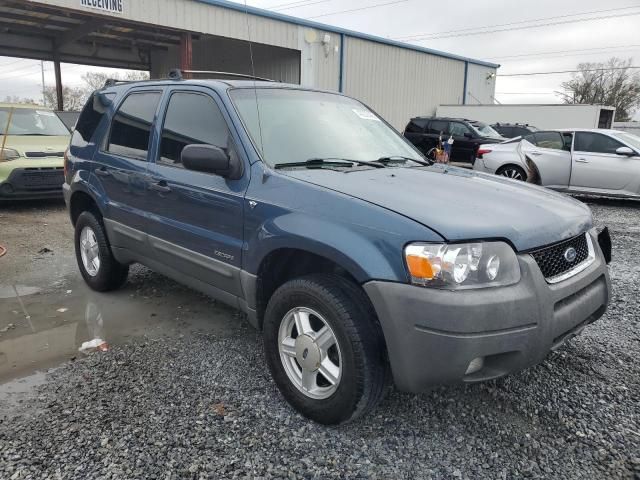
{"x": 362, "y": 263}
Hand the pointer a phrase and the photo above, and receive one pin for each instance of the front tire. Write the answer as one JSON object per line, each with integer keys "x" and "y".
{"x": 100, "y": 270}
{"x": 324, "y": 348}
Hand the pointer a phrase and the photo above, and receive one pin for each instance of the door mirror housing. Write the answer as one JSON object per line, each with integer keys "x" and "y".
{"x": 468, "y": 135}
{"x": 626, "y": 151}
{"x": 206, "y": 158}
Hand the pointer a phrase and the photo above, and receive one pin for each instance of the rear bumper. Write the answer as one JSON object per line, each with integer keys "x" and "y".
{"x": 433, "y": 336}
{"x": 33, "y": 183}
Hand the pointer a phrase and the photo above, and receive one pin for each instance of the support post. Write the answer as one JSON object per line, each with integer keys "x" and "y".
{"x": 58, "y": 73}
{"x": 464, "y": 87}
{"x": 186, "y": 53}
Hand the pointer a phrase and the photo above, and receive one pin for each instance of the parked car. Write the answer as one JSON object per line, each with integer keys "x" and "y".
{"x": 512, "y": 130}
{"x": 590, "y": 161}
{"x": 32, "y": 145}
{"x": 358, "y": 260}
{"x": 468, "y": 135}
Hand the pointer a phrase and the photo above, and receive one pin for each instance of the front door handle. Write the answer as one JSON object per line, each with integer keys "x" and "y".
{"x": 160, "y": 186}
{"x": 537, "y": 154}
{"x": 102, "y": 171}
{"x": 582, "y": 160}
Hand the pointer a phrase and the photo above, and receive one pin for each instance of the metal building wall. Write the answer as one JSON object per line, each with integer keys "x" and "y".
{"x": 400, "y": 83}
{"x": 481, "y": 85}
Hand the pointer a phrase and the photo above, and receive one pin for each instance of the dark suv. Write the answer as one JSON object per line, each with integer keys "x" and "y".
{"x": 360, "y": 261}
{"x": 468, "y": 135}
{"x": 513, "y": 130}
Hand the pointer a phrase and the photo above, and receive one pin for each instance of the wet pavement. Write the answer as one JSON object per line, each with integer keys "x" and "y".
{"x": 47, "y": 312}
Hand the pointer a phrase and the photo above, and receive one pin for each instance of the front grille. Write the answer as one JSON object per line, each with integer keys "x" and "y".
{"x": 41, "y": 177}
{"x": 551, "y": 259}
{"x": 43, "y": 154}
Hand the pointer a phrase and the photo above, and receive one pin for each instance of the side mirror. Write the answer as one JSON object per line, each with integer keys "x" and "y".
{"x": 626, "y": 151}
{"x": 468, "y": 135}
{"x": 205, "y": 158}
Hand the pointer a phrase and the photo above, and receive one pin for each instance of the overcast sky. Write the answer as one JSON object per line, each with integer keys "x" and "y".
{"x": 568, "y": 38}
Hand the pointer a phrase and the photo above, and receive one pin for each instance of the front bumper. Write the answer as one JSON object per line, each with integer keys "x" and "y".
{"x": 433, "y": 335}
{"x": 32, "y": 183}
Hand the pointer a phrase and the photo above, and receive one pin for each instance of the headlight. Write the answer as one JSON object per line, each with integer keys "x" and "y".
{"x": 462, "y": 265}
{"x": 8, "y": 154}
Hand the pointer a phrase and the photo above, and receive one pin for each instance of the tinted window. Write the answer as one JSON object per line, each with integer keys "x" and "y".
{"x": 551, "y": 140}
{"x": 417, "y": 125}
{"x": 438, "y": 126}
{"x": 518, "y": 131}
{"x": 530, "y": 138}
{"x": 92, "y": 113}
{"x": 458, "y": 129}
{"x": 507, "y": 132}
{"x": 191, "y": 119}
{"x": 595, "y": 143}
{"x": 131, "y": 126}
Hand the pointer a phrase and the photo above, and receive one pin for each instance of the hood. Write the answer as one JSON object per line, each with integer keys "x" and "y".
{"x": 461, "y": 204}
{"x": 36, "y": 143}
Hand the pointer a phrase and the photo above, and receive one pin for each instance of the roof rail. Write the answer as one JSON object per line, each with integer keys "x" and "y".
{"x": 176, "y": 74}
{"x": 110, "y": 82}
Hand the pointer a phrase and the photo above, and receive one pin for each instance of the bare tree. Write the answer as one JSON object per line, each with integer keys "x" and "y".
{"x": 611, "y": 83}
{"x": 74, "y": 97}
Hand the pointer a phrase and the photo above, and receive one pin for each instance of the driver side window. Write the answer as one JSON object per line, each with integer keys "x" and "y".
{"x": 458, "y": 129}
{"x": 192, "y": 118}
{"x": 595, "y": 143}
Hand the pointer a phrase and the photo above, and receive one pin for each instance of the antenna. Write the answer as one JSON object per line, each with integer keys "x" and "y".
{"x": 253, "y": 72}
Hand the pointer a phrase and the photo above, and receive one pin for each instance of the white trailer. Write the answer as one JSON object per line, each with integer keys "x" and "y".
{"x": 541, "y": 116}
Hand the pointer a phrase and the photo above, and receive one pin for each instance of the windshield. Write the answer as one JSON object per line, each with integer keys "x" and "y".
{"x": 628, "y": 138}
{"x": 298, "y": 125}
{"x": 485, "y": 130}
{"x": 31, "y": 121}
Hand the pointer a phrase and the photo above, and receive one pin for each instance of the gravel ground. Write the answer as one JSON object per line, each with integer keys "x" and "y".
{"x": 204, "y": 406}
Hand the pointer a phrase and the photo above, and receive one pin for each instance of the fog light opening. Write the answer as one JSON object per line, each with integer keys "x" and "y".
{"x": 475, "y": 365}
{"x": 6, "y": 188}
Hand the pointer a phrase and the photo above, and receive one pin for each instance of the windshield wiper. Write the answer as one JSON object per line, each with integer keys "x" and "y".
{"x": 401, "y": 159}
{"x": 323, "y": 162}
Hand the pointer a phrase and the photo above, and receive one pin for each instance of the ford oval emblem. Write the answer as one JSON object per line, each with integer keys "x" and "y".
{"x": 570, "y": 254}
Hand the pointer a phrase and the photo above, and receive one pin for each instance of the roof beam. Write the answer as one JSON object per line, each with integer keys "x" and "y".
{"x": 77, "y": 33}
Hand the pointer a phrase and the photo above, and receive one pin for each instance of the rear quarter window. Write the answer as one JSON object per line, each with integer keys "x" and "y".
{"x": 92, "y": 114}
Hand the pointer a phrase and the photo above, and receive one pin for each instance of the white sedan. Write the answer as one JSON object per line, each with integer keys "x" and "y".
{"x": 587, "y": 161}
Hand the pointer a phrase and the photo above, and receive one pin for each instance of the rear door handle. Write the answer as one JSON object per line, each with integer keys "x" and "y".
{"x": 582, "y": 160}
{"x": 160, "y": 186}
{"x": 102, "y": 171}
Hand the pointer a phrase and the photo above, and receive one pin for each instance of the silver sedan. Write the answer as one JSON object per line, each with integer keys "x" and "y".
{"x": 587, "y": 161}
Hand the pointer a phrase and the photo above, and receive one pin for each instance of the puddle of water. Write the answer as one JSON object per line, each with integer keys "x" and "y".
{"x": 40, "y": 329}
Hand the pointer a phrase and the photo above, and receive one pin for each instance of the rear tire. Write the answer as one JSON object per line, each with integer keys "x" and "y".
{"x": 358, "y": 370}
{"x": 100, "y": 270}
{"x": 513, "y": 172}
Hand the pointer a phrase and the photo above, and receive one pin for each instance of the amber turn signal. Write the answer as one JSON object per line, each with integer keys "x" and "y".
{"x": 420, "y": 267}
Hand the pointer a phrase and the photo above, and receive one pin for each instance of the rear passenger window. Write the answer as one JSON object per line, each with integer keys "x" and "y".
{"x": 551, "y": 140}
{"x": 438, "y": 126}
{"x": 92, "y": 113}
{"x": 131, "y": 126}
{"x": 417, "y": 125}
{"x": 191, "y": 118}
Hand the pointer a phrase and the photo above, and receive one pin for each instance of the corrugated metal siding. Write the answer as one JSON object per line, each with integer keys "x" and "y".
{"x": 400, "y": 83}
{"x": 199, "y": 17}
{"x": 480, "y": 88}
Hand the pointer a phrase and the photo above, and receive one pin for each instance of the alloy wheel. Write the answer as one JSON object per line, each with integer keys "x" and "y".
{"x": 310, "y": 353}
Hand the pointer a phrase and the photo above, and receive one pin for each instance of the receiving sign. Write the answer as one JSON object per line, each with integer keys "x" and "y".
{"x": 108, "y": 6}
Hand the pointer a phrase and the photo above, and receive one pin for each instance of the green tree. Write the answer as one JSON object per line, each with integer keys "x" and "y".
{"x": 611, "y": 83}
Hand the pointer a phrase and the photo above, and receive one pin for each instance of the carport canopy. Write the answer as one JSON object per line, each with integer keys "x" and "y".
{"x": 46, "y": 32}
